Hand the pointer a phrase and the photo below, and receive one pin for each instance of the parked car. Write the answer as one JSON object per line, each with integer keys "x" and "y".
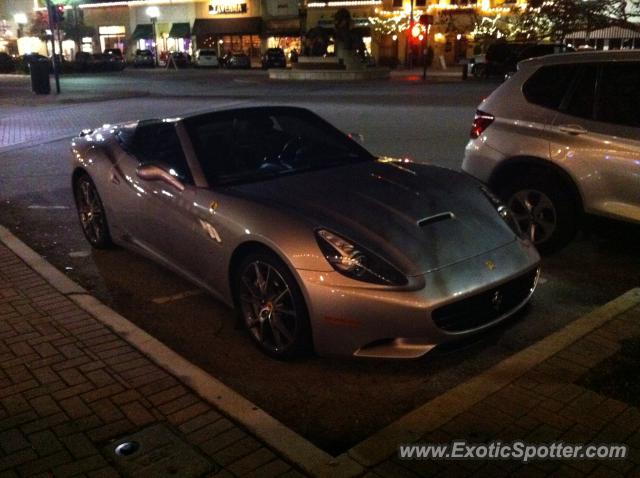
{"x": 101, "y": 62}
{"x": 501, "y": 58}
{"x": 561, "y": 138}
{"x": 274, "y": 58}
{"x": 84, "y": 61}
{"x": 144, "y": 58}
{"x": 318, "y": 244}
{"x": 7, "y": 64}
{"x": 115, "y": 59}
{"x": 96, "y": 62}
{"x": 180, "y": 59}
{"x": 205, "y": 58}
{"x": 237, "y": 61}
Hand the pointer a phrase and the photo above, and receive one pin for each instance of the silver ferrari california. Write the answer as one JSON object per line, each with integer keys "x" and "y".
{"x": 318, "y": 244}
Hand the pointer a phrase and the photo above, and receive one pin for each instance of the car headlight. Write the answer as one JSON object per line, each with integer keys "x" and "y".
{"x": 503, "y": 212}
{"x": 355, "y": 262}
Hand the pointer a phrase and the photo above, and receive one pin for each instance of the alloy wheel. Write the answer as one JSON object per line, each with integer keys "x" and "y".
{"x": 535, "y": 213}
{"x": 90, "y": 211}
{"x": 268, "y": 307}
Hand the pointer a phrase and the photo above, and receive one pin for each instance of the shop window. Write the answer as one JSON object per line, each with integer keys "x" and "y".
{"x": 112, "y": 36}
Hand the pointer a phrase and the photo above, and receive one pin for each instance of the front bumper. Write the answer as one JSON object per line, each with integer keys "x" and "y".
{"x": 350, "y": 319}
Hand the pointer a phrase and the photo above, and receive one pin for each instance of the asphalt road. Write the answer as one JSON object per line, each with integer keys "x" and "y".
{"x": 333, "y": 402}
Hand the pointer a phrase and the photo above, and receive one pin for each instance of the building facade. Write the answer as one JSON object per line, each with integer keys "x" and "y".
{"x": 248, "y": 26}
{"x": 252, "y": 26}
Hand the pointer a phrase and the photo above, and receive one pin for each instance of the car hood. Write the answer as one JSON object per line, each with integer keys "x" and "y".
{"x": 418, "y": 217}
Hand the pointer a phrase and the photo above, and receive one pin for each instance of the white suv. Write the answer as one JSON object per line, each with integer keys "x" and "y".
{"x": 206, "y": 58}
{"x": 561, "y": 138}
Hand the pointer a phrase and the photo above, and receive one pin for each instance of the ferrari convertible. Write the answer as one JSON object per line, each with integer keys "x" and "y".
{"x": 317, "y": 244}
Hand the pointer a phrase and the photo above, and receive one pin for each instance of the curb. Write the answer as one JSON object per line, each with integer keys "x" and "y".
{"x": 445, "y": 407}
{"x": 272, "y": 432}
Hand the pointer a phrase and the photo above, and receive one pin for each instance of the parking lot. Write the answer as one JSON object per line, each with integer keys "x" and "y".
{"x": 334, "y": 402}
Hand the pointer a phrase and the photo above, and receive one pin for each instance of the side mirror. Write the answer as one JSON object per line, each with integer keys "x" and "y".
{"x": 153, "y": 172}
{"x": 358, "y": 137}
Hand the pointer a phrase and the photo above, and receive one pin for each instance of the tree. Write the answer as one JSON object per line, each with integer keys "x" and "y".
{"x": 555, "y": 19}
{"x": 38, "y": 25}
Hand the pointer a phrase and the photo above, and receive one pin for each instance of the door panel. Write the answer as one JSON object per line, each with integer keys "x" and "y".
{"x": 603, "y": 157}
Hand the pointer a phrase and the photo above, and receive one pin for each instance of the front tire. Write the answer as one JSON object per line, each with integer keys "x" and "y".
{"x": 91, "y": 213}
{"x": 272, "y": 307}
{"x": 544, "y": 207}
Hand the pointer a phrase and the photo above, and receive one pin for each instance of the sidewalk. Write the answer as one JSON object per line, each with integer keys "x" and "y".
{"x": 69, "y": 386}
{"x": 537, "y": 396}
{"x": 73, "y": 388}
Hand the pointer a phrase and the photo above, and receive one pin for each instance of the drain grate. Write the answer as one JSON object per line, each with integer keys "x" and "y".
{"x": 157, "y": 451}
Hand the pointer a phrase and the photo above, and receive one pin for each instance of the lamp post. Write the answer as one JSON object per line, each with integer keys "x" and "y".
{"x": 21, "y": 21}
{"x": 153, "y": 13}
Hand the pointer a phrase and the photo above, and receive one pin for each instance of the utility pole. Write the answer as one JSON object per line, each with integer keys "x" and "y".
{"x": 52, "y": 24}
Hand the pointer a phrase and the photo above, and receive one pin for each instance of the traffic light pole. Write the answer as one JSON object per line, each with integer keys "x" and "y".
{"x": 52, "y": 24}
{"x": 425, "y": 47}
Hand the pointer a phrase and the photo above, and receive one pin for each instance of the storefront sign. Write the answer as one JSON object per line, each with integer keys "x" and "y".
{"x": 217, "y": 7}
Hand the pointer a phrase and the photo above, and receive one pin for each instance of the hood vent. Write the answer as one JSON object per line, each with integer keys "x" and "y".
{"x": 443, "y": 216}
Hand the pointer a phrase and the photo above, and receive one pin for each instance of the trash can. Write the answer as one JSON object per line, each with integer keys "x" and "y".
{"x": 39, "y": 70}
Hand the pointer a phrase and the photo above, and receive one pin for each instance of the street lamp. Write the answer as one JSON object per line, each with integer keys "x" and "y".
{"x": 21, "y": 21}
{"x": 153, "y": 13}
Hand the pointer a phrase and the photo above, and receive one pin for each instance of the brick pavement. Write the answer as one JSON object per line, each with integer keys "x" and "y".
{"x": 69, "y": 386}
{"x": 546, "y": 404}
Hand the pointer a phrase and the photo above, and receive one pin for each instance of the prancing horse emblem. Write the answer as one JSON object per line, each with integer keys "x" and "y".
{"x": 496, "y": 300}
{"x": 490, "y": 264}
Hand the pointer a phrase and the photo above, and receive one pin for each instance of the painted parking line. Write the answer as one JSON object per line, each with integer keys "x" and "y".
{"x": 179, "y": 296}
{"x": 40, "y": 206}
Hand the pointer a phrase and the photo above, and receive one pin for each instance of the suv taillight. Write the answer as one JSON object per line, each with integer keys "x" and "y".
{"x": 481, "y": 122}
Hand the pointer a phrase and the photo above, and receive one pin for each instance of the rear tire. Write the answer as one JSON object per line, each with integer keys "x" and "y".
{"x": 272, "y": 307}
{"x": 91, "y": 213}
{"x": 544, "y": 207}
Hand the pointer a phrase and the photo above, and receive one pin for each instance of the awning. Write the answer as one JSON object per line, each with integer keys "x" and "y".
{"x": 604, "y": 33}
{"x": 286, "y": 27}
{"x": 227, "y": 26}
{"x": 143, "y": 32}
{"x": 180, "y": 30}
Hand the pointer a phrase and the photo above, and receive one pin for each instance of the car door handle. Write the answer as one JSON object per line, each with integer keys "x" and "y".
{"x": 574, "y": 129}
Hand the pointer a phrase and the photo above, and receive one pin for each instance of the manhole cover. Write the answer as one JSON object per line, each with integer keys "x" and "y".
{"x": 157, "y": 451}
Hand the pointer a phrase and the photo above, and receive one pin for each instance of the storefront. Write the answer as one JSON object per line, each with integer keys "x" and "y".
{"x": 611, "y": 38}
{"x": 283, "y": 33}
{"x": 112, "y": 36}
{"x": 143, "y": 37}
{"x": 229, "y": 35}
{"x": 179, "y": 37}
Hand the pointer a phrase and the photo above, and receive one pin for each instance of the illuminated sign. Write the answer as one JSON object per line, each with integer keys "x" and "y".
{"x": 225, "y": 7}
{"x": 111, "y": 30}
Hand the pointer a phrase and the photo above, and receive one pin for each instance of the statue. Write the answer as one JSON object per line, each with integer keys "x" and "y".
{"x": 348, "y": 43}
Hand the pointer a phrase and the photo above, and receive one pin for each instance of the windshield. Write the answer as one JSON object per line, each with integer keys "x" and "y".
{"x": 262, "y": 143}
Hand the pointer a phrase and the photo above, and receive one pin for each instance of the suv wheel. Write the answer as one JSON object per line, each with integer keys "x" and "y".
{"x": 544, "y": 208}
